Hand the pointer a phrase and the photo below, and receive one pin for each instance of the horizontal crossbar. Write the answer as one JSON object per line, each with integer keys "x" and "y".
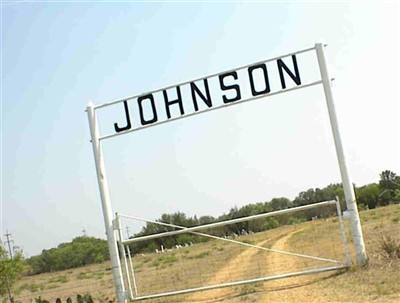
{"x": 267, "y": 278}
{"x": 223, "y": 223}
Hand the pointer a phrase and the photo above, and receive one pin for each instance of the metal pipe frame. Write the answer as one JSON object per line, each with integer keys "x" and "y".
{"x": 106, "y": 205}
{"x": 266, "y": 278}
{"x": 132, "y": 271}
{"x": 348, "y": 189}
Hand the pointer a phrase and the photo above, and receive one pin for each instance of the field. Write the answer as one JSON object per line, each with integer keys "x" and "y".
{"x": 214, "y": 261}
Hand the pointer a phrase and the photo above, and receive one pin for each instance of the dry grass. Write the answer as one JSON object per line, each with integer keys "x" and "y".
{"x": 377, "y": 282}
{"x": 219, "y": 262}
{"x": 93, "y": 279}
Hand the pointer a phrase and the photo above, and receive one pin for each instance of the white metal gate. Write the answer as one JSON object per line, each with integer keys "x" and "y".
{"x": 317, "y": 263}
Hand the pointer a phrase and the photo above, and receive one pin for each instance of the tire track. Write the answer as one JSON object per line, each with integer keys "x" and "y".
{"x": 223, "y": 275}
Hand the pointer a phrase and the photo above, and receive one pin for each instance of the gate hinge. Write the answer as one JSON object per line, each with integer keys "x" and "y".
{"x": 128, "y": 295}
{"x": 116, "y": 224}
{"x": 346, "y": 215}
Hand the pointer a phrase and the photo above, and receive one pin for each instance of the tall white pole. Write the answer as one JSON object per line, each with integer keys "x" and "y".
{"x": 106, "y": 205}
{"x": 351, "y": 203}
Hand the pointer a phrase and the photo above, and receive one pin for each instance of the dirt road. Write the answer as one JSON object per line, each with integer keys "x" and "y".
{"x": 284, "y": 290}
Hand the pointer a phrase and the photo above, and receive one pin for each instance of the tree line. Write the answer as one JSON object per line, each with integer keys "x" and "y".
{"x": 87, "y": 250}
{"x": 80, "y": 252}
{"x": 385, "y": 192}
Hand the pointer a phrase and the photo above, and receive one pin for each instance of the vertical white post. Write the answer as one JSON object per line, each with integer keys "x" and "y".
{"x": 122, "y": 252}
{"x": 132, "y": 272}
{"x": 106, "y": 205}
{"x": 343, "y": 232}
{"x": 355, "y": 223}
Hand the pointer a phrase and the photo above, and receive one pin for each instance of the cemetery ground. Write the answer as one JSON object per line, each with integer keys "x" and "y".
{"x": 218, "y": 262}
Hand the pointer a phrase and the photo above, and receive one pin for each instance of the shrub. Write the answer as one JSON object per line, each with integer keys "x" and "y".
{"x": 390, "y": 247}
{"x": 270, "y": 224}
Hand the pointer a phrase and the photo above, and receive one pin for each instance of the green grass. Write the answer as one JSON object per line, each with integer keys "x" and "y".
{"x": 168, "y": 259}
{"x": 90, "y": 275}
{"x": 52, "y": 286}
{"x": 32, "y": 287}
{"x": 163, "y": 261}
{"x": 59, "y": 279}
{"x": 200, "y": 255}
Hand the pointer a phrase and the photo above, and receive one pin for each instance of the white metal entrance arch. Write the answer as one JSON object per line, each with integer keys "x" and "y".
{"x": 200, "y": 96}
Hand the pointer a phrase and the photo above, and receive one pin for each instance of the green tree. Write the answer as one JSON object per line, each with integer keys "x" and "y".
{"x": 389, "y": 184}
{"x": 270, "y": 223}
{"x": 389, "y": 180}
{"x": 280, "y": 203}
{"x": 305, "y": 197}
{"x": 368, "y": 195}
{"x": 317, "y": 195}
{"x": 206, "y": 220}
{"x": 80, "y": 252}
{"x": 10, "y": 270}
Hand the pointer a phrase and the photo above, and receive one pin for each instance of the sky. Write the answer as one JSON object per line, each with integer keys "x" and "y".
{"x": 57, "y": 56}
